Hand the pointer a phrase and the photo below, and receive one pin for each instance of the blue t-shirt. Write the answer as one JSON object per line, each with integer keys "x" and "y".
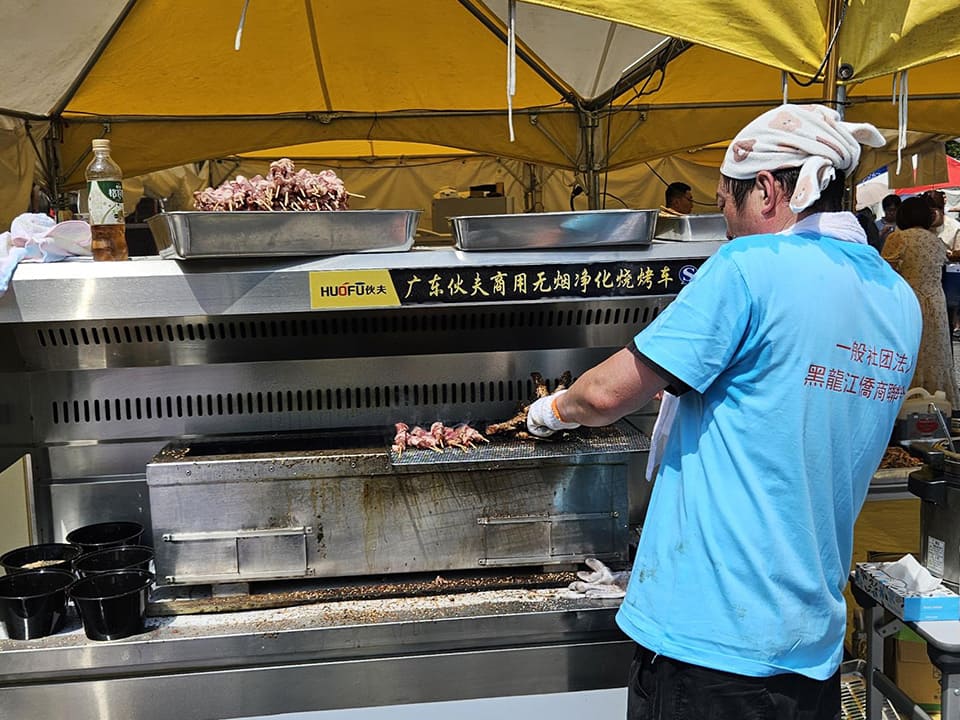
{"x": 798, "y": 350}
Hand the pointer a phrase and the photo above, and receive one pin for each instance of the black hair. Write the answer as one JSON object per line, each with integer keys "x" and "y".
{"x": 675, "y": 190}
{"x": 936, "y": 198}
{"x": 915, "y": 212}
{"x": 830, "y": 200}
{"x": 891, "y": 201}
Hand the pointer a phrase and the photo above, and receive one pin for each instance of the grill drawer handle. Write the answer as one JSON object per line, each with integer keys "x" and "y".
{"x": 569, "y": 517}
{"x": 234, "y": 534}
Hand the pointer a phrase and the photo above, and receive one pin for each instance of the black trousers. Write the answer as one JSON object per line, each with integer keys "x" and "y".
{"x": 661, "y": 688}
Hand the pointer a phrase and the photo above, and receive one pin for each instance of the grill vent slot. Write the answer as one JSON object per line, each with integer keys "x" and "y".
{"x": 290, "y": 401}
{"x": 86, "y": 335}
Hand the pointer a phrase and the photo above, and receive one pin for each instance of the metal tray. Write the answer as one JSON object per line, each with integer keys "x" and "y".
{"x": 526, "y": 231}
{"x": 187, "y": 235}
{"x": 691, "y": 227}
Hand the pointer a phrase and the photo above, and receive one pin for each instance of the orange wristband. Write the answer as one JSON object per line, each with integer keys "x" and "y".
{"x": 556, "y": 410}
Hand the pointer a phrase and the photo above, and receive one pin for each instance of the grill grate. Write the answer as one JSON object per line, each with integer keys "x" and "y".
{"x": 621, "y": 437}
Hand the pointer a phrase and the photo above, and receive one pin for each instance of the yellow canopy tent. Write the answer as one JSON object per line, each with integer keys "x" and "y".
{"x": 876, "y": 37}
{"x": 872, "y": 40}
{"x": 843, "y": 51}
{"x": 162, "y": 79}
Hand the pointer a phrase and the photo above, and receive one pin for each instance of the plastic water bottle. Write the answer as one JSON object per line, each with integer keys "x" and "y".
{"x": 105, "y": 204}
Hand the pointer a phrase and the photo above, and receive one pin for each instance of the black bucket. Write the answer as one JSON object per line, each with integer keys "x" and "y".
{"x": 112, "y": 605}
{"x": 33, "y": 603}
{"x": 105, "y": 535}
{"x": 59, "y": 556}
{"x": 125, "y": 557}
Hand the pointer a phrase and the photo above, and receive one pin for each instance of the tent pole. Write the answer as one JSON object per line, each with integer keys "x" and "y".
{"x": 590, "y": 167}
{"x": 51, "y": 149}
{"x": 833, "y": 94}
{"x": 533, "y": 191}
{"x": 830, "y": 86}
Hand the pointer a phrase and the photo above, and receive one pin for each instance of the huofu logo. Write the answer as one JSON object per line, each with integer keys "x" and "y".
{"x": 347, "y": 289}
{"x": 352, "y": 289}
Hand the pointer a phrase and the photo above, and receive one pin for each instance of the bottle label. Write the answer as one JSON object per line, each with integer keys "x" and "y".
{"x": 105, "y": 198}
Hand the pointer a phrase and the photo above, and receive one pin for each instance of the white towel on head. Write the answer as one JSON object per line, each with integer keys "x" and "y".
{"x": 813, "y": 138}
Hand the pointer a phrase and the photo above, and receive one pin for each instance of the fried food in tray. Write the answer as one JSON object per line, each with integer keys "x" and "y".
{"x": 895, "y": 457}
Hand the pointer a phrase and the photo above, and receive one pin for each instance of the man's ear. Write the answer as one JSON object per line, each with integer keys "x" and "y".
{"x": 770, "y": 192}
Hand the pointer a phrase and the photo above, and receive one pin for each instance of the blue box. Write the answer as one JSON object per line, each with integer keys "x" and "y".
{"x": 938, "y": 604}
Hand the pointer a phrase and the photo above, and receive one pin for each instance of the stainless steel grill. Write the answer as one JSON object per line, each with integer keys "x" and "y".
{"x": 109, "y": 363}
{"x": 621, "y": 438}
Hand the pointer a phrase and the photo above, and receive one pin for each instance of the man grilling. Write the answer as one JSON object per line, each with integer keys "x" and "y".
{"x": 790, "y": 352}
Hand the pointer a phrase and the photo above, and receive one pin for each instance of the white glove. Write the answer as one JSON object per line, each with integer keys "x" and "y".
{"x": 542, "y": 419}
{"x": 601, "y": 582}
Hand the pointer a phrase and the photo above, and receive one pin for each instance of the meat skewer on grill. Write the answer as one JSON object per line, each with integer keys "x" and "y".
{"x": 463, "y": 436}
{"x": 438, "y": 437}
{"x": 517, "y": 425}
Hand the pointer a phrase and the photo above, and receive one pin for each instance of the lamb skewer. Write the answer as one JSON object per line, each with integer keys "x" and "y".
{"x": 438, "y": 437}
{"x": 517, "y": 425}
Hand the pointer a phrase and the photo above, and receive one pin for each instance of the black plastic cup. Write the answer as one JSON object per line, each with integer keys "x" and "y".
{"x": 125, "y": 557}
{"x": 105, "y": 535}
{"x": 112, "y": 605}
{"x": 46, "y": 556}
{"x": 33, "y": 603}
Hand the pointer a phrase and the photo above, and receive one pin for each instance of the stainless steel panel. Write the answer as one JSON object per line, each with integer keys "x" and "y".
{"x": 75, "y": 504}
{"x": 323, "y": 656}
{"x": 282, "y": 554}
{"x": 326, "y": 631}
{"x": 104, "y": 459}
{"x": 157, "y": 288}
{"x": 305, "y": 687}
{"x": 367, "y": 520}
{"x": 344, "y": 334}
{"x": 118, "y": 360}
{"x": 594, "y": 228}
{"x": 171, "y": 402}
{"x": 687, "y": 228}
{"x": 940, "y": 536}
{"x": 188, "y": 235}
{"x": 215, "y": 557}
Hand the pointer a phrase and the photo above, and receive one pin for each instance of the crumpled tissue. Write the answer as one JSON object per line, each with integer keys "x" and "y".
{"x": 39, "y": 238}
{"x": 914, "y": 576}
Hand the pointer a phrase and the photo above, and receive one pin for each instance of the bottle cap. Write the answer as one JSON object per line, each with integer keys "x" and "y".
{"x": 101, "y": 144}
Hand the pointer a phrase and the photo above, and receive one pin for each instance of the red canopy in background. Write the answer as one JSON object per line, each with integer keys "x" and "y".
{"x": 953, "y": 180}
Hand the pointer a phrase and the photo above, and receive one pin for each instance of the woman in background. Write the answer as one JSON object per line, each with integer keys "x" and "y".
{"x": 915, "y": 252}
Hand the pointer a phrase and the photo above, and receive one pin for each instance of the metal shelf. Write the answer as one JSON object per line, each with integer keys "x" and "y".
{"x": 152, "y": 287}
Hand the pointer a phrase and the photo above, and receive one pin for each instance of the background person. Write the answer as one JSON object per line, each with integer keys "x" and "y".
{"x": 868, "y": 222}
{"x": 677, "y": 199}
{"x": 888, "y": 223}
{"x": 944, "y": 226}
{"x": 919, "y": 255}
{"x": 948, "y": 230}
{"x": 735, "y": 599}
